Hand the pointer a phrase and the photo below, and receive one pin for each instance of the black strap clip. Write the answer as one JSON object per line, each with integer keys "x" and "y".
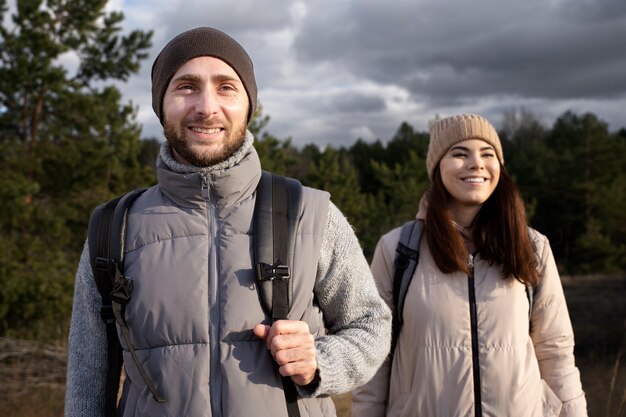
{"x": 106, "y": 267}
{"x": 104, "y": 264}
{"x": 406, "y": 252}
{"x": 106, "y": 312}
{"x": 267, "y": 272}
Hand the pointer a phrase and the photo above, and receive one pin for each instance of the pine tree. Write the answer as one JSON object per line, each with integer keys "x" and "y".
{"x": 66, "y": 144}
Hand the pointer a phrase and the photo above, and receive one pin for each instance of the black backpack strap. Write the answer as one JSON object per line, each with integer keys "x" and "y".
{"x": 407, "y": 257}
{"x": 99, "y": 231}
{"x": 530, "y": 290}
{"x": 106, "y": 237}
{"x": 276, "y": 215}
{"x": 530, "y": 294}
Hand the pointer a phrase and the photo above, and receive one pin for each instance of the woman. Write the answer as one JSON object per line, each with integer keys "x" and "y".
{"x": 468, "y": 346}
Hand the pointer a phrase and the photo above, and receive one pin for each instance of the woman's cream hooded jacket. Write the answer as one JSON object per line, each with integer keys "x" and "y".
{"x": 521, "y": 371}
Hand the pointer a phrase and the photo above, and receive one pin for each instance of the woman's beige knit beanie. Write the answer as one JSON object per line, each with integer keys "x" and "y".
{"x": 444, "y": 133}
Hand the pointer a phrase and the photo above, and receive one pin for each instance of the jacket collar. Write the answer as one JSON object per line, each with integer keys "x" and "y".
{"x": 224, "y": 184}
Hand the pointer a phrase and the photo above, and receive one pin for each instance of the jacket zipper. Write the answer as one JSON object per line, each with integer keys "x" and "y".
{"x": 214, "y": 313}
{"x": 478, "y": 409}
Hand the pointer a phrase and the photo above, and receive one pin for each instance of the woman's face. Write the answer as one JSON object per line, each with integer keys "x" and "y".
{"x": 470, "y": 171}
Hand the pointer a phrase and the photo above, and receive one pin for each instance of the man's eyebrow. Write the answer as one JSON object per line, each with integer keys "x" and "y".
{"x": 225, "y": 77}
{"x": 187, "y": 77}
{"x": 215, "y": 78}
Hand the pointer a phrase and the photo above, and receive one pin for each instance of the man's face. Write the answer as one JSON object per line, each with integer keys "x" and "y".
{"x": 205, "y": 109}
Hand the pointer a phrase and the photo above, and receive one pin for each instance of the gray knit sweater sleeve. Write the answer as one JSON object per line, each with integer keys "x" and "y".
{"x": 86, "y": 348}
{"x": 358, "y": 320}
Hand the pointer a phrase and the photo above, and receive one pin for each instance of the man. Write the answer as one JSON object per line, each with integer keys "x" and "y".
{"x": 198, "y": 328}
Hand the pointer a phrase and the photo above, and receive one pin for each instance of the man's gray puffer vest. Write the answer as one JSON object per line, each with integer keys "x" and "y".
{"x": 194, "y": 304}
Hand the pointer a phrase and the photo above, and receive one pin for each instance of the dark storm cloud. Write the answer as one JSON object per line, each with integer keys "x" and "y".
{"x": 596, "y": 10}
{"x": 440, "y": 51}
{"x": 236, "y": 17}
{"x": 353, "y": 103}
{"x": 331, "y": 71}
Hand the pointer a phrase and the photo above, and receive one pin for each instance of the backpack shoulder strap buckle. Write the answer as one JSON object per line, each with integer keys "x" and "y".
{"x": 267, "y": 272}
{"x": 406, "y": 253}
{"x": 103, "y": 264}
{"x": 106, "y": 312}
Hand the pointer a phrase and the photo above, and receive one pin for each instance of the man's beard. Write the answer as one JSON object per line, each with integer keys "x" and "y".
{"x": 197, "y": 156}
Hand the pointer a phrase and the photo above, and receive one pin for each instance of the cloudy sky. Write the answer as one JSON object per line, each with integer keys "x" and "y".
{"x": 333, "y": 71}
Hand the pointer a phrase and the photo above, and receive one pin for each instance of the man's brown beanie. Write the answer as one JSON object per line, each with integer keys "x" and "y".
{"x": 202, "y": 41}
{"x": 444, "y": 133}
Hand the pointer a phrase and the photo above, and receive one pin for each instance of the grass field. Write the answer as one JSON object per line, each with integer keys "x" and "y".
{"x": 597, "y": 308}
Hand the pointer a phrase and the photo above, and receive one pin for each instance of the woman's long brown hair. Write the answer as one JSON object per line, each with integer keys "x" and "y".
{"x": 499, "y": 231}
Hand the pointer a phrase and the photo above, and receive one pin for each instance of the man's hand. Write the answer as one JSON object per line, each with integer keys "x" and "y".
{"x": 293, "y": 348}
